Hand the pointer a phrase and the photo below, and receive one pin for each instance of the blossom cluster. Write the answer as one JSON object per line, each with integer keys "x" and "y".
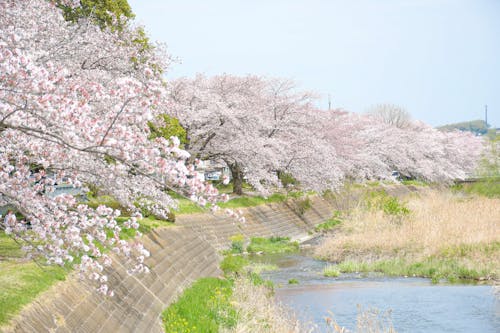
{"x": 75, "y": 102}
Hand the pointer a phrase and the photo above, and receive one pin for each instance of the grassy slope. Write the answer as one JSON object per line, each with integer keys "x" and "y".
{"x": 21, "y": 283}
{"x": 22, "y": 280}
{"x": 204, "y": 307}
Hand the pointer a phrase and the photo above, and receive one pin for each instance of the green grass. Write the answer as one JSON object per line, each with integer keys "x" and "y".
{"x": 229, "y": 187}
{"x": 414, "y": 182}
{"x": 327, "y": 225}
{"x": 21, "y": 282}
{"x": 106, "y": 200}
{"x": 381, "y": 200}
{"x": 233, "y": 264}
{"x": 262, "y": 267}
{"x": 205, "y": 307}
{"x": 252, "y": 201}
{"x": 145, "y": 225}
{"x": 331, "y": 271}
{"x": 272, "y": 245}
{"x": 226, "y": 188}
{"x": 293, "y": 281}
{"x": 237, "y": 244}
{"x": 186, "y": 206}
{"x": 490, "y": 188}
{"x": 431, "y": 267}
{"x": 469, "y": 250}
{"x": 9, "y": 248}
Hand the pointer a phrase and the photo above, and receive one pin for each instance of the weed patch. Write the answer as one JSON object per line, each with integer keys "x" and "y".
{"x": 329, "y": 224}
{"x": 233, "y": 265}
{"x": 380, "y": 200}
{"x": 432, "y": 267}
{"x": 272, "y": 245}
{"x": 252, "y": 201}
{"x": 237, "y": 243}
{"x": 205, "y": 307}
{"x": 490, "y": 188}
{"x": 331, "y": 271}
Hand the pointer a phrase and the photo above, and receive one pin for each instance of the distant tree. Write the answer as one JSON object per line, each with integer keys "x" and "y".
{"x": 392, "y": 114}
{"x": 369, "y": 148}
{"x": 478, "y": 127}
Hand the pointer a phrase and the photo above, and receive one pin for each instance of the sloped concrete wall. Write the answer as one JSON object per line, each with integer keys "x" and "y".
{"x": 179, "y": 255}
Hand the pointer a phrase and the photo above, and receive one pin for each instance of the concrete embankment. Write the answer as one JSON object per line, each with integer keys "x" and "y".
{"x": 179, "y": 255}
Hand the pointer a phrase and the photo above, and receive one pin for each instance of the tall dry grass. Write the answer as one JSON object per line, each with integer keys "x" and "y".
{"x": 440, "y": 223}
{"x": 258, "y": 313}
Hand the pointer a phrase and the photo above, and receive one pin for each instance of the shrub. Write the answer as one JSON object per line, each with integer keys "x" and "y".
{"x": 392, "y": 206}
{"x": 303, "y": 205}
{"x": 233, "y": 265}
{"x": 237, "y": 243}
{"x": 380, "y": 200}
{"x": 287, "y": 180}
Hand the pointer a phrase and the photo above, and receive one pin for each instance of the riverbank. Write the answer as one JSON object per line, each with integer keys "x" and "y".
{"x": 434, "y": 234}
{"x": 185, "y": 252}
{"x": 180, "y": 254}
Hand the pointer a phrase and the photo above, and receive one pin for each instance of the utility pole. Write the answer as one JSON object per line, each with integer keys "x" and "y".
{"x": 486, "y": 116}
{"x": 329, "y": 102}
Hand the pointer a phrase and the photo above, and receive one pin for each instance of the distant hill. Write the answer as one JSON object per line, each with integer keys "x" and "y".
{"x": 477, "y": 127}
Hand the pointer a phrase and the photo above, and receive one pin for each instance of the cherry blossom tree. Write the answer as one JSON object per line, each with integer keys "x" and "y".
{"x": 297, "y": 127}
{"x": 258, "y": 127}
{"x": 222, "y": 118}
{"x": 75, "y": 108}
{"x": 371, "y": 148}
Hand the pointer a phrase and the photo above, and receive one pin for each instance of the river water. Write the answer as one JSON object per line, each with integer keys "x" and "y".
{"x": 413, "y": 304}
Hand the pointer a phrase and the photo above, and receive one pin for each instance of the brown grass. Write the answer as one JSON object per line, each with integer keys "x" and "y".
{"x": 258, "y": 313}
{"x": 440, "y": 224}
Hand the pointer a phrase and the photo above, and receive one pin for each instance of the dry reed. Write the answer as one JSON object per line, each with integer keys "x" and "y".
{"x": 258, "y": 313}
{"x": 440, "y": 224}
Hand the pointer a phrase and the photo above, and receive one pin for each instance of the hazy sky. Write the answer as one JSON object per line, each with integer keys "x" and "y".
{"x": 440, "y": 59}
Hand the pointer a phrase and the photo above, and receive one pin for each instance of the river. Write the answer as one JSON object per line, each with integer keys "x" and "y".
{"x": 412, "y": 304}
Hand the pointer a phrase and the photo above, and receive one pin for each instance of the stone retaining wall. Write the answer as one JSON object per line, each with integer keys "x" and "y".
{"x": 179, "y": 255}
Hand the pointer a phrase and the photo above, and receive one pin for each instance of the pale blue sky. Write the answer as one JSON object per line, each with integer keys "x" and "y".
{"x": 440, "y": 59}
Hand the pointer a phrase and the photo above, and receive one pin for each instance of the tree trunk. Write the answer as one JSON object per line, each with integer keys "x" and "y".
{"x": 237, "y": 175}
